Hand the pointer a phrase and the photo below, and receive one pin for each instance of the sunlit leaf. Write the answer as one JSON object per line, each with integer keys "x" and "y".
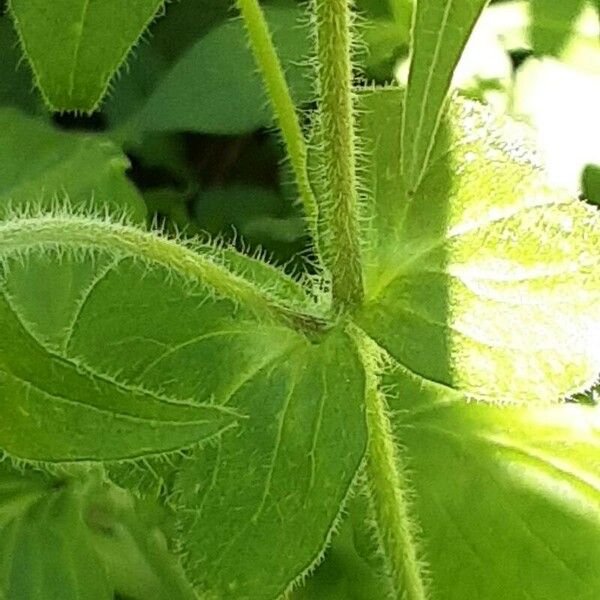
{"x": 484, "y": 279}
{"x": 440, "y": 32}
{"x": 507, "y": 498}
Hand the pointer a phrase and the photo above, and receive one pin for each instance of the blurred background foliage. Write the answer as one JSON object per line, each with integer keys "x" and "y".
{"x": 190, "y": 113}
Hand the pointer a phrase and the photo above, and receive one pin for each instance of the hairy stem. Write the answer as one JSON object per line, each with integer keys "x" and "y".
{"x": 80, "y": 232}
{"x": 340, "y": 209}
{"x": 388, "y": 485}
{"x": 281, "y": 100}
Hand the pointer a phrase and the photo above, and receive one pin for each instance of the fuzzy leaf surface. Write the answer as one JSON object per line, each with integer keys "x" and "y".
{"x": 277, "y": 482}
{"x": 121, "y": 339}
{"x": 75, "y": 46}
{"x": 83, "y": 376}
{"x": 45, "y": 550}
{"x": 507, "y": 497}
{"x": 482, "y": 280}
{"x": 42, "y": 165}
{"x": 440, "y": 32}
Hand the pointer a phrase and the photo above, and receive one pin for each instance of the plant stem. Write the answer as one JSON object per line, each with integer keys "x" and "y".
{"x": 387, "y": 485}
{"x": 202, "y": 265}
{"x": 340, "y": 209}
{"x": 282, "y": 102}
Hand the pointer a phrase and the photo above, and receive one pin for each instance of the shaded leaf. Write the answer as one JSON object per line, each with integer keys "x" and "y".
{"x": 45, "y": 549}
{"x": 591, "y": 183}
{"x": 278, "y": 481}
{"x": 75, "y": 46}
{"x": 16, "y": 85}
{"x": 215, "y": 88}
{"x": 42, "y": 165}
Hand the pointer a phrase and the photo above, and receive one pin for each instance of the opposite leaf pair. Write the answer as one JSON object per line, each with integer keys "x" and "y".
{"x": 130, "y": 322}
{"x": 465, "y": 280}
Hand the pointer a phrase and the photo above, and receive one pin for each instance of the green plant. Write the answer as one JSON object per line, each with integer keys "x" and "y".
{"x": 182, "y": 420}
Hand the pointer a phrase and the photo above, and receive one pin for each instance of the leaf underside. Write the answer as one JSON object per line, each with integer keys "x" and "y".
{"x": 278, "y": 482}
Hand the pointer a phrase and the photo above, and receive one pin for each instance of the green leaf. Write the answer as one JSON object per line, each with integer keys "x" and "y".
{"x": 215, "y": 88}
{"x": 122, "y": 344}
{"x": 508, "y": 498}
{"x": 45, "y": 550}
{"x": 552, "y": 24}
{"x": 277, "y": 482}
{"x": 42, "y": 165}
{"x": 16, "y": 87}
{"x": 75, "y": 535}
{"x": 440, "y": 32}
{"x": 183, "y": 25}
{"x": 482, "y": 280}
{"x": 75, "y": 46}
{"x": 591, "y": 183}
{"x": 56, "y": 406}
{"x": 86, "y": 371}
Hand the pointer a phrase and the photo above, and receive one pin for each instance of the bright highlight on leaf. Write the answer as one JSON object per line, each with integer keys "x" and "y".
{"x": 192, "y": 421}
{"x": 440, "y": 32}
{"x": 74, "y": 47}
{"x": 482, "y": 280}
{"x": 507, "y": 498}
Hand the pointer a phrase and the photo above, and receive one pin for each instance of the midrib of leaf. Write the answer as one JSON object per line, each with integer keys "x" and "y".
{"x": 81, "y": 233}
{"x": 93, "y": 374}
{"x": 425, "y": 97}
{"x": 78, "y": 39}
{"x": 273, "y": 461}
